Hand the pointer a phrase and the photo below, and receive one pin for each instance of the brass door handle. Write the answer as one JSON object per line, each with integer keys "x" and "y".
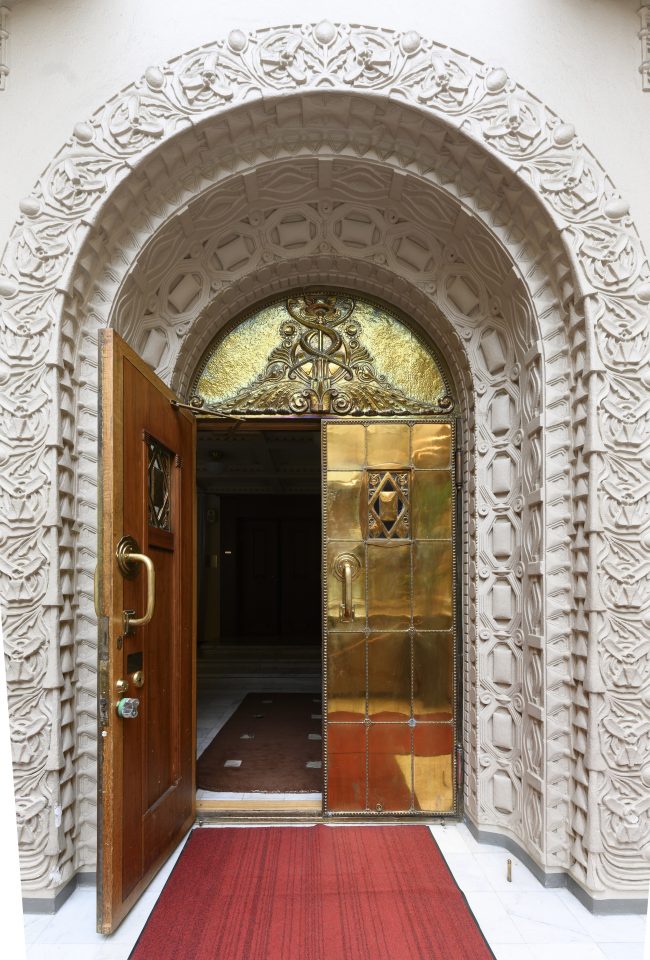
{"x": 347, "y": 611}
{"x": 346, "y": 568}
{"x": 128, "y": 556}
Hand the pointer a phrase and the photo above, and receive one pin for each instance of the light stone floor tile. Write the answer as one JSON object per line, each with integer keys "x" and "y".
{"x": 448, "y": 839}
{"x": 493, "y": 918}
{"x": 603, "y": 928}
{"x": 494, "y": 863}
{"x": 216, "y": 795}
{"x": 468, "y": 872}
{"x": 78, "y": 951}
{"x": 257, "y": 795}
{"x": 566, "y": 951}
{"x": 34, "y": 925}
{"x": 625, "y": 951}
{"x": 511, "y": 951}
{"x": 542, "y": 919}
{"x": 288, "y": 797}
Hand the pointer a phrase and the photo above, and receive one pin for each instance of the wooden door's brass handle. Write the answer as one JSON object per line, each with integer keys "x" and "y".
{"x": 128, "y": 556}
{"x": 346, "y": 568}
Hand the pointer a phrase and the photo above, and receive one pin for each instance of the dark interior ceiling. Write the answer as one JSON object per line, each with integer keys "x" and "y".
{"x": 258, "y": 461}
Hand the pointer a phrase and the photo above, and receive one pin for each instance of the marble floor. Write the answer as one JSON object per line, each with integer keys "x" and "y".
{"x": 521, "y": 920}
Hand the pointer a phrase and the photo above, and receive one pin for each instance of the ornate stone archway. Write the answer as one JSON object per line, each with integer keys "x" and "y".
{"x": 472, "y": 203}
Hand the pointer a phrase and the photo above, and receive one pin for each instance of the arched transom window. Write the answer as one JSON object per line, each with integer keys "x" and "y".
{"x": 321, "y": 352}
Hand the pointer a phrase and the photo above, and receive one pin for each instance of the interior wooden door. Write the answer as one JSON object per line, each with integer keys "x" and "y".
{"x": 390, "y": 678}
{"x": 146, "y": 670}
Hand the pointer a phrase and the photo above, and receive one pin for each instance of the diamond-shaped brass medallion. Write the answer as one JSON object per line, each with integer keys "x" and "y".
{"x": 389, "y": 496}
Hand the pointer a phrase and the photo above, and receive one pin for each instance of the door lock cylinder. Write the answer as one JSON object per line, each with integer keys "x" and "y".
{"x": 127, "y": 708}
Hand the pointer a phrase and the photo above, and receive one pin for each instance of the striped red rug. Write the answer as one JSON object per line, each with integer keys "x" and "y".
{"x": 311, "y": 893}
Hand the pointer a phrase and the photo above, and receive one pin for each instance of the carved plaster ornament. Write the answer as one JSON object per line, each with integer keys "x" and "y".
{"x": 584, "y": 811}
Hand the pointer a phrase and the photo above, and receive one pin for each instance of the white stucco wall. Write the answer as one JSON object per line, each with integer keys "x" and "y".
{"x": 580, "y": 57}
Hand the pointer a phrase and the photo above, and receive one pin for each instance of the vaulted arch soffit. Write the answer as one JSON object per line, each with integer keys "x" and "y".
{"x": 414, "y": 169}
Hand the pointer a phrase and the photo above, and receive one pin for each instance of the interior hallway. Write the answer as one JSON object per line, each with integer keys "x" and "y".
{"x": 217, "y": 701}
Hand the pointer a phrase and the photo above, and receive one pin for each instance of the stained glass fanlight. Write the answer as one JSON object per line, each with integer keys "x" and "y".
{"x": 321, "y": 352}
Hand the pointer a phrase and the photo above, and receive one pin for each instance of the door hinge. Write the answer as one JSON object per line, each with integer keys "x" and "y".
{"x": 103, "y": 694}
{"x": 458, "y": 466}
{"x": 460, "y": 766}
{"x": 103, "y": 672}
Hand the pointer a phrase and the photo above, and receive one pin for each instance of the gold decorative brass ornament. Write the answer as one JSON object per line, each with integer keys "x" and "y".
{"x": 388, "y": 504}
{"x": 321, "y": 353}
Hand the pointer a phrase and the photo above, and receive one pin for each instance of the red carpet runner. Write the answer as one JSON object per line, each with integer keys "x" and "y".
{"x": 311, "y": 893}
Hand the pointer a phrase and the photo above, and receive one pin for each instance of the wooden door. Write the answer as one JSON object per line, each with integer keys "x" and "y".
{"x": 146, "y": 762}
{"x": 390, "y": 676}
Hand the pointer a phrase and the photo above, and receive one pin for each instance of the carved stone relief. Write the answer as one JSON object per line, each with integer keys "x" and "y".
{"x": 4, "y": 42}
{"x": 549, "y": 300}
{"x": 644, "y": 36}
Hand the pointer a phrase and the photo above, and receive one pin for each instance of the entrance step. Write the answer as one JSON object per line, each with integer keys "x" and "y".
{"x": 251, "y": 661}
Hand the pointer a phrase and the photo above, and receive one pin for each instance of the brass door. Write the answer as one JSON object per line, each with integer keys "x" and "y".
{"x": 146, "y": 605}
{"x": 390, "y": 678}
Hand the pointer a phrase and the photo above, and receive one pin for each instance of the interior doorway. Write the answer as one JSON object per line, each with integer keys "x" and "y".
{"x": 259, "y": 658}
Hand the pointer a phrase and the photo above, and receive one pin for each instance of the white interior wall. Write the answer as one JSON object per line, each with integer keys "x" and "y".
{"x": 580, "y": 57}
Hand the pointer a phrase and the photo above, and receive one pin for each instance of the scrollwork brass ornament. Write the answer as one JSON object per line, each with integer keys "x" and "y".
{"x": 322, "y": 366}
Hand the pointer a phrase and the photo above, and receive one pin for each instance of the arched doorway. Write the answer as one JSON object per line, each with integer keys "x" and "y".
{"x": 389, "y": 570}
{"x": 322, "y": 354}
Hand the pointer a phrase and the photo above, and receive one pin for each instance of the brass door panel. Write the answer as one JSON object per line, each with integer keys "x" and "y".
{"x": 390, "y": 621}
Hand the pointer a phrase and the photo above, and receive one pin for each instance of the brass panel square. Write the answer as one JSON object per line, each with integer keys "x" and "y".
{"x": 433, "y": 676}
{"x": 388, "y": 445}
{"x": 431, "y": 505}
{"x": 431, "y": 445}
{"x": 346, "y": 677}
{"x": 389, "y": 676}
{"x": 433, "y": 783}
{"x": 346, "y": 446}
{"x": 344, "y": 507}
{"x": 389, "y": 585}
{"x": 389, "y": 767}
{"x": 432, "y": 585}
{"x": 346, "y": 767}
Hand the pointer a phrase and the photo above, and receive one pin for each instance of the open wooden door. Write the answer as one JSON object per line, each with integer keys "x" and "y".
{"x": 146, "y": 605}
